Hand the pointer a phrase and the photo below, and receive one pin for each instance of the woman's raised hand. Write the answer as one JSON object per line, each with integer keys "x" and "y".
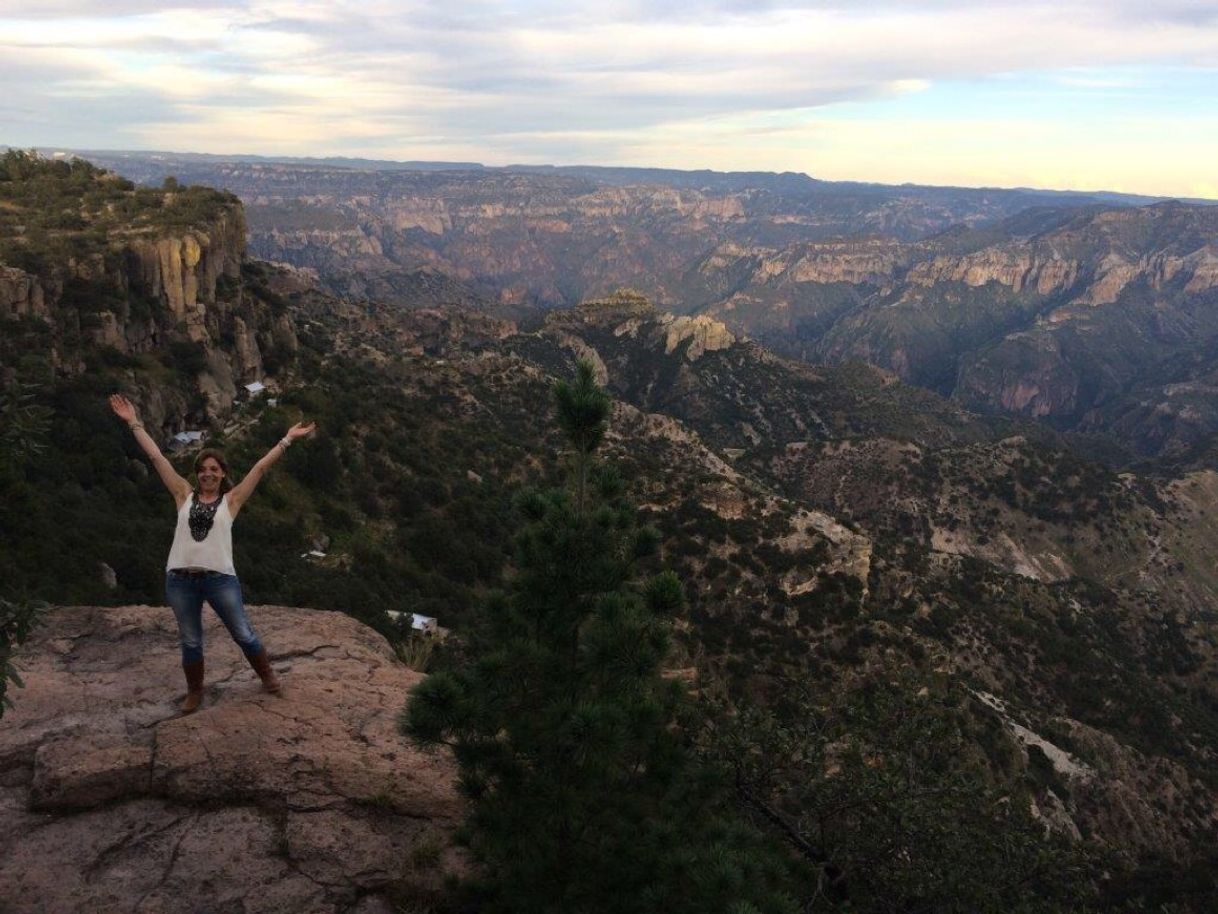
{"x": 299, "y": 430}
{"x": 122, "y": 408}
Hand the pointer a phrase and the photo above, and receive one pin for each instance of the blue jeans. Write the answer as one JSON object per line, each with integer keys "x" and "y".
{"x": 186, "y": 593}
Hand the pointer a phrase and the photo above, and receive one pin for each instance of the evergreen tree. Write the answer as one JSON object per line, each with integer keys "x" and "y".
{"x": 584, "y": 794}
{"x": 583, "y": 415}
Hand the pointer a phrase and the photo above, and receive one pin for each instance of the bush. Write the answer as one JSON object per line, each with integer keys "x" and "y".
{"x": 187, "y": 357}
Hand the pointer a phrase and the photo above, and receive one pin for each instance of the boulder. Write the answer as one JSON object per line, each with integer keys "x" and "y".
{"x": 107, "y": 575}
{"x": 110, "y": 800}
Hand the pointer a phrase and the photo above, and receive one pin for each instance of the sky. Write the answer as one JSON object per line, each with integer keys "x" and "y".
{"x": 1119, "y": 95}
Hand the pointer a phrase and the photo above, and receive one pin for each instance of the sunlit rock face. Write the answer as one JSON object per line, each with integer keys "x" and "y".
{"x": 704, "y": 334}
{"x": 182, "y": 271}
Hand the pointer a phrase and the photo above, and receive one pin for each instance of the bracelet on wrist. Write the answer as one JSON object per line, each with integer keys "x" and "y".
{"x": 285, "y": 443}
{"x": 134, "y": 425}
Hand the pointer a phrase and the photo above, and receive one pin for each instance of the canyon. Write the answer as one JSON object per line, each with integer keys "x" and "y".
{"x": 1090, "y": 312}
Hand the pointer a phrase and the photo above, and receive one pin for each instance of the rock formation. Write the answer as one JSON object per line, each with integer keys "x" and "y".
{"x": 705, "y": 335}
{"x": 21, "y": 295}
{"x": 152, "y": 290}
{"x": 182, "y": 271}
{"x": 309, "y": 802}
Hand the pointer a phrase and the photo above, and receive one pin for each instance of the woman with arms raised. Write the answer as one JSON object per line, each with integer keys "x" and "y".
{"x": 200, "y": 566}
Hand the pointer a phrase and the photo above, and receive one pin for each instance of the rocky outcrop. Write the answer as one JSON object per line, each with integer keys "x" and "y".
{"x": 705, "y": 334}
{"x": 1018, "y": 269}
{"x": 848, "y": 553}
{"x": 151, "y": 289}
{"x": 182, "y": 271}
{"x": 112, "y": 801}
{"x": 628, "y": 314}
{"x": 21, "y": 295}
{"x": 586, "y": 353}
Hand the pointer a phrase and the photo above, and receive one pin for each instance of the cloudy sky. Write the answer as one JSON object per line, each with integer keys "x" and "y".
{"x": 1119, "y": 95}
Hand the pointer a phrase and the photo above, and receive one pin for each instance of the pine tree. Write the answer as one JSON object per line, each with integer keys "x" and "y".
{"x": 584, "y": 794}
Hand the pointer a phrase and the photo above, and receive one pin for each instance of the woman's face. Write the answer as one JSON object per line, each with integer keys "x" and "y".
{"x": 211, "y": 474}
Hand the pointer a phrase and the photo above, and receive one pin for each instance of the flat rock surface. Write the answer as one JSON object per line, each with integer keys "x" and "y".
{"x": 309, "y": 801}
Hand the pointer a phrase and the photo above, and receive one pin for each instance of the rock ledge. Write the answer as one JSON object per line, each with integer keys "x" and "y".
{"x": 308, "y": 802}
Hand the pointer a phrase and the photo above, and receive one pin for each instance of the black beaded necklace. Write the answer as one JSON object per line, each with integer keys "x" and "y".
{"x": 202, "y": 516}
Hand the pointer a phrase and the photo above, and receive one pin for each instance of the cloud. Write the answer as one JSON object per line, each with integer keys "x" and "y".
{"x": 544, "y": 80}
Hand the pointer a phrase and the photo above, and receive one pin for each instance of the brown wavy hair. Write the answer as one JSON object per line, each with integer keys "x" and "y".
{"x": 218, "y": 457}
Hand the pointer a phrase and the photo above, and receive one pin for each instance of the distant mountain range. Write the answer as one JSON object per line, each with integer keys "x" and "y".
{"x": 605, "y": 174}
{"x": 1093, "y": 311}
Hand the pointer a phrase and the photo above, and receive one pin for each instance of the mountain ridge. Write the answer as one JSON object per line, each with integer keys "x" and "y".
{"x": 617, "y": 173}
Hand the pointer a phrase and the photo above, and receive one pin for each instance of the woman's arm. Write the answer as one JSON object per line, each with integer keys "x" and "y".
{"x": 243, "y": 490}
{"x": 178, "y": 487}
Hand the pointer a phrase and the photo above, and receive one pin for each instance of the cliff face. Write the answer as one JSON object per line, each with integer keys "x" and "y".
{"x": 182, "y": 272}
{"x": 178, "y": 276}
{"x": 151, "y": 290}
{"x": 867, "y": 262}
{"x": 1015, "y": 268}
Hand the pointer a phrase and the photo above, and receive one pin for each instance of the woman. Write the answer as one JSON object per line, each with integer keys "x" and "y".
{"x": 200, "y": 565}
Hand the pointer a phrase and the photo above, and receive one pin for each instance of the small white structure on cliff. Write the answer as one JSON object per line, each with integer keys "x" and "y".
{"x": 427, "y": 625}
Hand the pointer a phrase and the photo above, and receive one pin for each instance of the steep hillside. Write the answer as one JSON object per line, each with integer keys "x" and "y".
{"x": 1082, "y": 599}
{"x": 831, "y": 525}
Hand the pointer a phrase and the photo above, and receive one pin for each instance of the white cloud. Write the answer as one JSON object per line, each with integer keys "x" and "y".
{"x": 548, "y": 80}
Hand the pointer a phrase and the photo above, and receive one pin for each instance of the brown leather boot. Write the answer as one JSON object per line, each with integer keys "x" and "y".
{"x": 194, "y": 686}
{"x": 261, "y": 662}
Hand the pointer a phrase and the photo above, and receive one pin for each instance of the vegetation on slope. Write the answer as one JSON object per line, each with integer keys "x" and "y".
{"x": 584, "y": 795}
{"x": 52, "y": 210}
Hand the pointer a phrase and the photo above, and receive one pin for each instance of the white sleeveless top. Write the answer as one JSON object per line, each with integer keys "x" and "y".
{"x": 214, "y": 552}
